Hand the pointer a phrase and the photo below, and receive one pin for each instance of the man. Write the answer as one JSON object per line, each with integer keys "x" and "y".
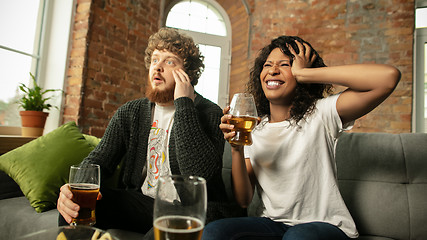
{"x": 173, "y": 130}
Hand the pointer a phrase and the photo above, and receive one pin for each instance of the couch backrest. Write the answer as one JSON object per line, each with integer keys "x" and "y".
{"x": 383, "y": 180}
{"x": 226, "y": 171}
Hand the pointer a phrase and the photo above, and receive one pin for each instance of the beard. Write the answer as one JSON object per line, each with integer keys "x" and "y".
{"x": 160, "y": 96}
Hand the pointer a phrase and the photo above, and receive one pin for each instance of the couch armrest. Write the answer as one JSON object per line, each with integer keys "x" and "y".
{"x": 8, "y": 187}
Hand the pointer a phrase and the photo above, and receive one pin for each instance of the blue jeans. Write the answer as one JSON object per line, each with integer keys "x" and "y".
{"x": 261, "y": 228}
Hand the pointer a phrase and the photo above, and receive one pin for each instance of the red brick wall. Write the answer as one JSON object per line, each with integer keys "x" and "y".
{"x": 107, "y": 59}
{"x": 240, "y": 24}
{"x": 106, "y": 66}
{"x": 76, "y": 63}
{"x": 344, "y": 32}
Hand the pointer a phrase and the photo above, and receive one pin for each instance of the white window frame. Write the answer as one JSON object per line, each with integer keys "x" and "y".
{"x": 418, "y": 115}
{"x": 224, "y": 42}
{"x": 54, "y": 53}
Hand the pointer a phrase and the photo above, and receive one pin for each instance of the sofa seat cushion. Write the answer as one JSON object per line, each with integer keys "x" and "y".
{"x": 18, "y": 218}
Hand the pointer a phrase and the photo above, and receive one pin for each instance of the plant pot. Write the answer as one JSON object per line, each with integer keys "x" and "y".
{"x": 33, "y": 123}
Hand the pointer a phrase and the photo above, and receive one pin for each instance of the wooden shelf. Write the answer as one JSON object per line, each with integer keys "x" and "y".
{"x": 10, "y": 139}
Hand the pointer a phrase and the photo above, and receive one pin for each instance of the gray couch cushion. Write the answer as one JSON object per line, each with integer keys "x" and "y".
{"x": 382, "y": 178}
{"x": 25, "y": 219}
{"x": 226, "y": 170}
{"x": 415, "y": 152}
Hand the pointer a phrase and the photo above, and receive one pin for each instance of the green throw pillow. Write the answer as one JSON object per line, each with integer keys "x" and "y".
{"x": 41, "y": 166}
{"x": 92, "y": 140}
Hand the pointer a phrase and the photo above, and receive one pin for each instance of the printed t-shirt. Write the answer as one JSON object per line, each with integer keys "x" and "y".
{"x": 158, "y": 142}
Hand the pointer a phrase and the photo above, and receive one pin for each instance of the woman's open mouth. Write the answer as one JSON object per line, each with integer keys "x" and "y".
{"x": 272, "y": 84}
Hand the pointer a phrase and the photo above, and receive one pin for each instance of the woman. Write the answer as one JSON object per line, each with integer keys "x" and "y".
{"x": 291, "y": 160}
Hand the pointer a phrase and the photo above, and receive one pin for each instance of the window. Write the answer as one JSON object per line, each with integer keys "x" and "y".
{"x": 35, "y": 39}
{"x": 197, "y": 16}
{"x": 420, "y": 73}
{"x": 19, "y": 52}
{"x": 208, "y": 24}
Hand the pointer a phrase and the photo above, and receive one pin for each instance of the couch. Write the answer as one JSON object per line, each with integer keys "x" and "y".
{"x": 27, "y": 203}
{"x": 382, "y": 178}
{"x": 30, "y": 177}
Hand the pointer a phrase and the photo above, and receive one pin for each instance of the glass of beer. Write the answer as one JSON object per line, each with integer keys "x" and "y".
{"x": 84, "y": 182}
{"x": 244, "y": 118}
{"x": 180, "y": 208}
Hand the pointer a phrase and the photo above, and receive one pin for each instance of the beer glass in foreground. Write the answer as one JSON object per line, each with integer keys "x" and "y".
{"x": 84, "y": 183}
{"x": 244, "y": 118}
{"x": 180, "y": 208}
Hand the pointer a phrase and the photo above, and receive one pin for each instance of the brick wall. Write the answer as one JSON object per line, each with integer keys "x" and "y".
{"x": 239, "y": 15}
{"x": 344, "y": 32}
{"x": 106, "y": 66}
{"x": 76, "y": 62}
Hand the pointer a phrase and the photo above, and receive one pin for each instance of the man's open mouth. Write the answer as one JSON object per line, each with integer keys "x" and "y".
{"x": 157, "y": 79}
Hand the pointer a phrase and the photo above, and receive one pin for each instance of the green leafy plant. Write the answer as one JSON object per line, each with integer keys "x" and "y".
{"x": 33, "y": 99}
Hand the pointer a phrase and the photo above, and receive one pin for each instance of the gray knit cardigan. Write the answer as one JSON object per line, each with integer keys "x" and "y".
{"x": 196, "y": 147}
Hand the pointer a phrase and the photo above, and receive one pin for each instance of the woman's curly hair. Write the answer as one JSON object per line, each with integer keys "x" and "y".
{"x": 306, "y": 95}
{"x": 181, "y": 45}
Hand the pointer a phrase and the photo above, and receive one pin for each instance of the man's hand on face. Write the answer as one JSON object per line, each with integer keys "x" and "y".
{"x": 183, "y": 87}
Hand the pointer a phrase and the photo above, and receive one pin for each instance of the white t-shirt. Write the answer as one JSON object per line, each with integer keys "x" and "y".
{"x": 158, "y": 154}
{"x": 296, "y": 171}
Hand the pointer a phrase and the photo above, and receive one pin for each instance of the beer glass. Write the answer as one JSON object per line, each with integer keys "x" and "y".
{"x": 180, "y": 208}
{"x": 244, "y": 118}
{"x": 84, "y": 182}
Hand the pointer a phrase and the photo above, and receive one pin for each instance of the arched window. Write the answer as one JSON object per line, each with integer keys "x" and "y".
{"x": 208, "y": 24}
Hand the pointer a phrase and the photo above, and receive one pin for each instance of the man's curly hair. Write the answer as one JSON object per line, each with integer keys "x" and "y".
{"x": 306, "y": 95}
{"x": 181, "y": 45}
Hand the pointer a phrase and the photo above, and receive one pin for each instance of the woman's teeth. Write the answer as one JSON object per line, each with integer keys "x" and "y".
{"x": 273, "y": 83}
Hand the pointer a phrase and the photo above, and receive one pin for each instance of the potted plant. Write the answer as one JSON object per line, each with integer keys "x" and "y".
{"x": 34, "y": 102}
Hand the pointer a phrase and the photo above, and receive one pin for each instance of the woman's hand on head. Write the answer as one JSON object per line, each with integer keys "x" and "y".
{"x": 303, "y": 59}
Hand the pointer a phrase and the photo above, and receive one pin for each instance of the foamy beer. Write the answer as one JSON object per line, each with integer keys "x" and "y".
{"x": 84, "y": 182}
{"x": 244, "y": 118}
{"x": 178, "y": 227}
{"x": 180, "y": 208}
